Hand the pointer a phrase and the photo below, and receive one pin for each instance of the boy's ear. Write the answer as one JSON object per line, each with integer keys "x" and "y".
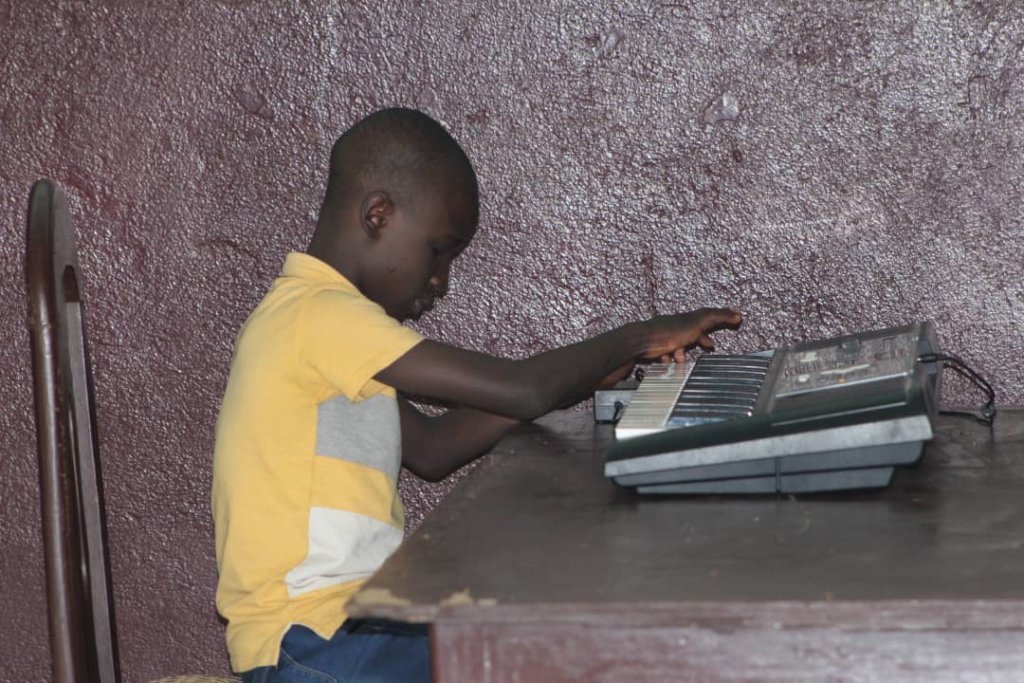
{"x": 375, "y": 212}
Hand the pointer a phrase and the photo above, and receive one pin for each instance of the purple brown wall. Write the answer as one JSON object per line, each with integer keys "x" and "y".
{"x": 825, "y": 166}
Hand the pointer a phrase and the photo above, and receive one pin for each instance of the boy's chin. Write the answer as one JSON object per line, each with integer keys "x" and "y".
{"x": 407, "y": 316}
{"x": 403, "y": 313}
{"x": 418, "y": 309}
{"x": 412, "y": 311}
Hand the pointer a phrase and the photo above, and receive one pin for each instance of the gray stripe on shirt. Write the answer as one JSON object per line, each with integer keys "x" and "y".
{"x": 368, "y": 432}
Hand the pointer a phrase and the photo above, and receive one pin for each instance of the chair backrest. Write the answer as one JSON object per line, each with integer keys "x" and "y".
{"x": 83, "y": 642}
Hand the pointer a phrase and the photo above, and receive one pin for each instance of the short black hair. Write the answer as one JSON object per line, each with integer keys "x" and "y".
{"x": 402, "y": 151}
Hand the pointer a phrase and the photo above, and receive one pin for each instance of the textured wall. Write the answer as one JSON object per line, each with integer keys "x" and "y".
{"x": 825, "y": 166}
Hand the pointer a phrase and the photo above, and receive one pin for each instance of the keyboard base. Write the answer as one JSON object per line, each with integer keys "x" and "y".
{"x": 834, "y": 470}
{"x": 809, "y": 482}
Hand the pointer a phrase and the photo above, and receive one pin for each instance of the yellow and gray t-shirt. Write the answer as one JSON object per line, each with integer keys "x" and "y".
{"x": 305, "y": 467}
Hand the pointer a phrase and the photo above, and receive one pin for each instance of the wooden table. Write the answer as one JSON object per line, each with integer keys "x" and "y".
{"x": 537, "y": 569}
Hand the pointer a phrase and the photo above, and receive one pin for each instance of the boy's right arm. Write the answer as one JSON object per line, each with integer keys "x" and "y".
{"x": 527, "y": 389}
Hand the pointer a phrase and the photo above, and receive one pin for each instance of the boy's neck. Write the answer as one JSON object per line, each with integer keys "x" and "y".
{"x": 335, "y": 255}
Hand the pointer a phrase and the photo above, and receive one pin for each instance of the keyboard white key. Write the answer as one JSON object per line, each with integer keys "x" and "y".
{"x": 653, "y": 400}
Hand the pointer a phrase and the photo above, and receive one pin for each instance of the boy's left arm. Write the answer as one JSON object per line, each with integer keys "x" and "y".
{"x": 434, "y": 447}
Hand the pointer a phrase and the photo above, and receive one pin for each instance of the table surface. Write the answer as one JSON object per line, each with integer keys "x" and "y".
{"x": 537, "y": 532}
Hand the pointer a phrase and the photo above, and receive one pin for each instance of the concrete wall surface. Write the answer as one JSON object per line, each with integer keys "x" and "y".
{"x": 826, "y": 167}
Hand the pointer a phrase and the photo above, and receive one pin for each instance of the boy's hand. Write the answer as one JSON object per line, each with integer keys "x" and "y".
{"x": 617, "y": 376}
{"x": 670, "y": 335}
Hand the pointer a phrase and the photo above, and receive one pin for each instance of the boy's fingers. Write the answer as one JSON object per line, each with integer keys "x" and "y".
{"x": 706, "y": 342}
{"x": 713, "y": 317}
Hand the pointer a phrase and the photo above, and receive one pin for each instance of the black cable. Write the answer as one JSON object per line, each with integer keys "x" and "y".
{"x": 988, "y": 411}
{"x": 619, "y": 407}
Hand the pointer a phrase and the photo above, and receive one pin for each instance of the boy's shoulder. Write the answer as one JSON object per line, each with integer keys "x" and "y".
{"x": 312, "y": 306}
{"x": 301, "y": 308}
{"x": 308, "y": 286}
{"x": 318, "y": 333}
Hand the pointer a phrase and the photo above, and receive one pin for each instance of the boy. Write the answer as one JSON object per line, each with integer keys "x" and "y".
{"x": 311, "y": 433}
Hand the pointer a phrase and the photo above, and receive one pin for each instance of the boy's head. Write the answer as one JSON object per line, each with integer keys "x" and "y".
{"x": 401, "y": 204}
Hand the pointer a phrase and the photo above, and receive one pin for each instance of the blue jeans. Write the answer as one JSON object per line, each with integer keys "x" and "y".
{"x": 362, "y": 651}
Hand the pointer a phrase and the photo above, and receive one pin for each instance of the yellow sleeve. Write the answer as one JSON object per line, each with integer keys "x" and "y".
{"x": 350, "y": 339}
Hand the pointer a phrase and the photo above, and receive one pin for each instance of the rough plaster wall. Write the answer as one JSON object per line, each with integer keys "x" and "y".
{"x": 863, "y": 168}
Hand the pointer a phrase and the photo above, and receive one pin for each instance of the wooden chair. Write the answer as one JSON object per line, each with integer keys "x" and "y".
{"x": 83, "y": 638}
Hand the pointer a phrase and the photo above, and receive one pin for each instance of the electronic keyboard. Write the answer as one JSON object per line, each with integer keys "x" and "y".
{"x": 825, "y": 415}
